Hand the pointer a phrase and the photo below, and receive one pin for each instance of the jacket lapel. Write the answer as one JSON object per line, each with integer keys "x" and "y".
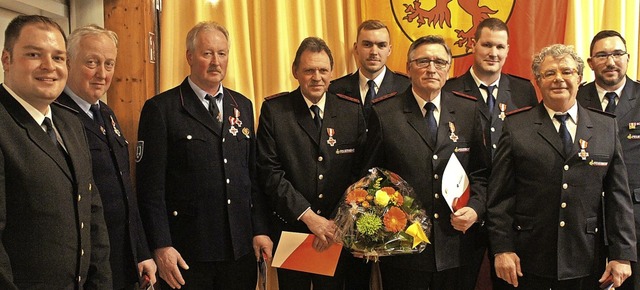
{"x": 194, "y": 107}
{"x": 546, "y": 129}
{"x": 447, "y": 115}
{"x": 89, "y": 124}
{"x": 627, "y": 99}
{"x": 303, "y": 116}
{"x": 470, "y": 88}
{"x": 415, "y": 118}
{"x": 583, "y": 130}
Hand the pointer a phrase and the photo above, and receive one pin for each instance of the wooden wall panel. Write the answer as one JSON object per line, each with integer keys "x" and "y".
{"x": 134, "y": 80}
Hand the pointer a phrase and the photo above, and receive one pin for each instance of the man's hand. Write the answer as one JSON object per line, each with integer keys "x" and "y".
{"x": 463, "y": 219}
{"x": 147, "y": 268}
{"x": 508, "y": 267}
{"x": 321, "y": 227}
{"x": 619, "y": 269}
{"x": 168, "y": 260}
{"x": 263, "y": 244}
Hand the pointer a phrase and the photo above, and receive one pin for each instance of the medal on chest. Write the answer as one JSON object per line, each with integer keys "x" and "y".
{"x": 452, "y": 129}
{"x": 331, "y": 141}
{"x": 235, "y": 121}
{"x": 583, "y": 149}
{"x": 503, "y": 108}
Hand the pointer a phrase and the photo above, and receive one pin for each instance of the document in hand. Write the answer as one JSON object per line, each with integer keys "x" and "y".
{"x": 455, "y": 184}
{"x": 295, "y": 252}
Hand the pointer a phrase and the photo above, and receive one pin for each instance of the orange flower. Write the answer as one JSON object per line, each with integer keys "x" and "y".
{"x": 357, "y": 195}
{"x": 365, "y": 204}
{"x": 395, "y": 220}
{"x": 389, "y": 190}
{"x": 397, "y": 198}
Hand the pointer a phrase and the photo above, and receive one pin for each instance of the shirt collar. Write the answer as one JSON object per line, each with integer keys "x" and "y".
{"x": 377, "y": 80}
{"x": 35, "y": 114}
{"x": 422, "y": 102}
{"x": 572, "y": 112}
{"x": 602, "y": 92}
{"x": 479, "y": 82}
{"x": 320, "y": 103}
{"x": 202, "y": 93}
{"x": 84, "y": 105}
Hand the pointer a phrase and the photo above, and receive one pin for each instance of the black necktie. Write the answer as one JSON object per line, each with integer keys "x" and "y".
{"x": 316, "y": 116}
{"x": 611, "y": 106}
{"x": 97, "y": 117}
{"x": 432, "y": 125}
{"x": 214, "y": 111}
{"x": 564, "y": 133}
{"x": 491, "y": 100}
{"x": 371, "y": 94}
{"x": 50, "y": 131}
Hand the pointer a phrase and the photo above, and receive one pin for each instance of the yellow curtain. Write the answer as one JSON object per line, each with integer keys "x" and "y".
{"x": 586, "y": 18}
{"x": 263, "y": 36}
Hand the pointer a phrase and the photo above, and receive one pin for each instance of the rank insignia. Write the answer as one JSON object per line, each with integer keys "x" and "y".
{"x": 115, "y": 129}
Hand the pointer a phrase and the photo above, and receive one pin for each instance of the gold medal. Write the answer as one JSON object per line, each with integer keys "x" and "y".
{"x": 246, "y": 132}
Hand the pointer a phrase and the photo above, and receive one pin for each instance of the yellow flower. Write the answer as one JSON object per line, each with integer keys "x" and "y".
{"x": 382, "y": 198}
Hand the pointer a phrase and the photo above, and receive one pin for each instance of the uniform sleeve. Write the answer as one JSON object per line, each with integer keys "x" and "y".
{"x": 281, "y": 194}
{"x": 151, "y": 170}
{"x": 6, "y": 275}
{"x": 99, "y": 274}
{"x": 478, "y": 168}
{"x": 259, "y": 207}
{"x": 619, "y": 207}
{"x": 501, "y": 197}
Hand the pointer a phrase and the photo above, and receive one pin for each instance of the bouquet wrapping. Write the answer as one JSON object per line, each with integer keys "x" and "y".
{"x": 379, "y": 215}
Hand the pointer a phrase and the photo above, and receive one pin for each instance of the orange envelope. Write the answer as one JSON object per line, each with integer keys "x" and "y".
{"x": 295, "y": 252}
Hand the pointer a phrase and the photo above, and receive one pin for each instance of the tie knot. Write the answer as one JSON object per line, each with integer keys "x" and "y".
{"x": 611, "y": 96}
{"x": 372, "y": 84}
{"x": 562, "y": 117}
{"x": 211, "y": 98}
{"x": 430, "y": 107}
{"x": 47, "y": 122}
{"x": 316, "y": 110}
{"x": 489, "y": 89}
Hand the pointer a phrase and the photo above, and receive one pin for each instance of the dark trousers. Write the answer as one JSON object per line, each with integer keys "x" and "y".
{"x": 241, "y": 274}
{"x": 358, "y": 273}
{"x": 394, "y": 278}
{"x": 296, "y": 280}
{"x": 532, "y": 282}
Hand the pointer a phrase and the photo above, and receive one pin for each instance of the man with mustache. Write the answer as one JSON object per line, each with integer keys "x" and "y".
{"x": 557, "y": 177}
{"x": 200, "y": 204}
{"x": 373, "y": 78}
{"x": 614, "y": 92}
{"x": 92, "y": 59}
{"x": 497, "y": 94}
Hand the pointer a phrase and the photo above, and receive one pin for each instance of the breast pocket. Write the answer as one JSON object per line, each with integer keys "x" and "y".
{"x": 194, "y": 152}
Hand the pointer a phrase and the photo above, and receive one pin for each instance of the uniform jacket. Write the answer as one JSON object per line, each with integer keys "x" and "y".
{"x": 51, "y": 219}
{"x": 397, "y": 141}
{"x": 298, "y": 168}
{"x": 197, "y": 185}
{"x": 350, "y": 85}
{"x": 546, "y": 207}
{"x": 513, "y": 91}
{"x": 110, "y": 159}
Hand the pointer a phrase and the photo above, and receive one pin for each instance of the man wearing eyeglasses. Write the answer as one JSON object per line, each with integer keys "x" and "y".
{"x": 415, "y": 134}
{"x": 614, "y": 92}
{"x": 498, "y": 93}
{"x": 554, "y": 165}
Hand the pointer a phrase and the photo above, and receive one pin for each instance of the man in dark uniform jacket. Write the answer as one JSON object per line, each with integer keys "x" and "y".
{"x": 199, "y": 199}
{"x": 51, "y": 220}
{"x": 371, "y": 49}
{"x": 414, "y": 134}
{"x": 309, "y": 141}
{"x": 92, "y": 54}
{"x": 609, "y": 60}
{"x": 553, "y": 166}
{"x": 490, "y": 49}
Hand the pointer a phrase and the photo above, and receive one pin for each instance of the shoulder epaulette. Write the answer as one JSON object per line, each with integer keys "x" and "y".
{"x": 523, "y": 109}
{"x": 275, "y": 96}
{"x": 463, "y": 95}
{"x": 519, "y": 77}
{"x": 597, "y": 110}
{"x": 383, "y": 97}
{"x": 65, "y": 107}
{"x": 350, "y": 99}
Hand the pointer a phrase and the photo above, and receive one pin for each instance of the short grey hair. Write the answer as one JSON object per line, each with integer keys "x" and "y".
{"x": 204, "y": 26}
{"x": 89, "y": 30}
{"x": 555, "y": 51}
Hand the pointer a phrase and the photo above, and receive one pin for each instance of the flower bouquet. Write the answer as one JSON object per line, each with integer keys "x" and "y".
{"x": 380, "y": 216}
